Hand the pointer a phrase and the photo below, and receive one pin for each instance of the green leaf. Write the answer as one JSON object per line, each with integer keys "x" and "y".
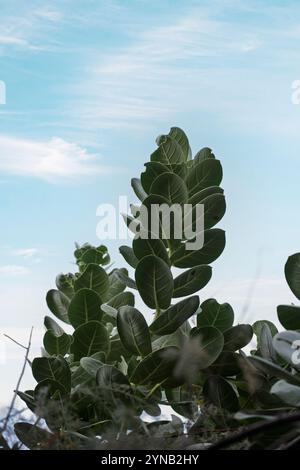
{"x": 84, "y": 306}
{"x": 158, "y": 216}
{"x": 51, "y": 325}
{"x": 64, "y": 283}
{"x": 212, "y": 313}
{"x": 227, "y": 364}
{"x": 220, "y": 393}
{"x": 288, "y": 393}
{"x": 116, "y": 283}
{"x": 32, "y": 436}
{"x": 110, "y": 311}
{"x": 87, "y": 254}
{"x": 117, "y": 350}
{"x": 171, "y": 187}
{"x": 154, "y": 282}
{"x": 214, "y": 244}
{"x": 54, "y": 368}
{"x": 153, "y": 169}
{"x": 237, "y": 337}
{"x": 181, "y": 138}
{"x": 150, "y": 246}
{"x": 125, "y": 279}
{"x": 265, "y": 344}
{"x": 28, "y": 398}
{"x": 258, "y": 325}
{"x": 58, "y": 303}
{"x": 287, "y": 345}
{"x": 80, "y": 376}
{"x": 289, "y": 316}
{"x": 168, "y": 152}
{"x": 89, "y": 338}
{"x": 191, "y": 281}
{"x": 177, "y": 339}
{"x": 91, "y": 365}
{"x": 214, "y": 209}
{"x": 124, "y": 298}
{"x": 182, "y": 401}
{"x": 172, "y": 318}
{"x": 93, "y": 277}
{"x": 80, "y": 250}
{"x": 56, "y": 344}
{"x": 204, "y": 174}
{"x": 133, "y": 331}
{"x": 292, "y": 274}
{"x": 111, "y": 307}
{"x": 132, "y": 223}
{"x": 210, "y": 344}
{"x": 113, "y": 385}
{"x": 94, "y": 256}
{"x": 204, "y": 193}
{"x": 203, "y": 154}
{"x": 49, "y": 388}
{"x": 273, "y": 370}
{"x": 129, "y": 256}
{"x": 138, "y": 189}
{"x": 157, "y": 367}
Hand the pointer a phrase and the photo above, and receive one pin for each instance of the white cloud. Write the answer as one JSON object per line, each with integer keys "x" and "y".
{"x": 11, "y": 40}
{"x": 49, "y": 14}
{"x": 28, "y": 28}
{"x": 13, "y": 270}
{"x": 161, "y": 72}
{"x": 51, "y": 160}
{"x": 203, "y": 62}
{"x": 26, "y": 252}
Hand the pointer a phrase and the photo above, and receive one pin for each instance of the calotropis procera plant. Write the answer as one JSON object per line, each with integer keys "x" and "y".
{"x": 78, "y": 373}
{"x": 273, "y": 373}
{"x": 109, "y": 366}
{"x": 186, "y": 364}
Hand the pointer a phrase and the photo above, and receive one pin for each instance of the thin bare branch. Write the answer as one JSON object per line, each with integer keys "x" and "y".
{"x": 14, "y": 341}
{"x": 11, "y": 407}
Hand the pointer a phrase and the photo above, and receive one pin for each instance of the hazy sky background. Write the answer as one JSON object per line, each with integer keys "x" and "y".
{"x": 90, "y": 84}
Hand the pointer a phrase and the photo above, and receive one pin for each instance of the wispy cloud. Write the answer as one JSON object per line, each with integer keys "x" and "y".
{"x": 158, "y": 73}
{"x": 26, "y": 253}
{"x": 27, "y": 28}
{"x": 204, "y": 61}
{"x": 14, "y": 270}
{"x": 50, "y": 160}
{"x": 48, "y": 14}
{"x": 11, "y": 40}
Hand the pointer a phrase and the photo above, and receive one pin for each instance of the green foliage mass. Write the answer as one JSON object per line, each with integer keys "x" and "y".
{"x": 111, "y": 366}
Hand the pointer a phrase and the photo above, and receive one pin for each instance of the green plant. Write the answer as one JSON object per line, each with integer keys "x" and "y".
{"x": 112, "y": 367}
{"x": 189, "y": 365}
{"x": 277, "y": 355}
{"x": 272, "y": 376}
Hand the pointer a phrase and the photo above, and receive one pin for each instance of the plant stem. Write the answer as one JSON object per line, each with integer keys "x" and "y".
{"x": 156, "y": 386}
{"x": 255, "y": 429}
{"x": 157, "y": 313}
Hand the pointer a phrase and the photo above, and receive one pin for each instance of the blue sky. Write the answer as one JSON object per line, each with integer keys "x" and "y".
{"x": 90, "y": 84}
